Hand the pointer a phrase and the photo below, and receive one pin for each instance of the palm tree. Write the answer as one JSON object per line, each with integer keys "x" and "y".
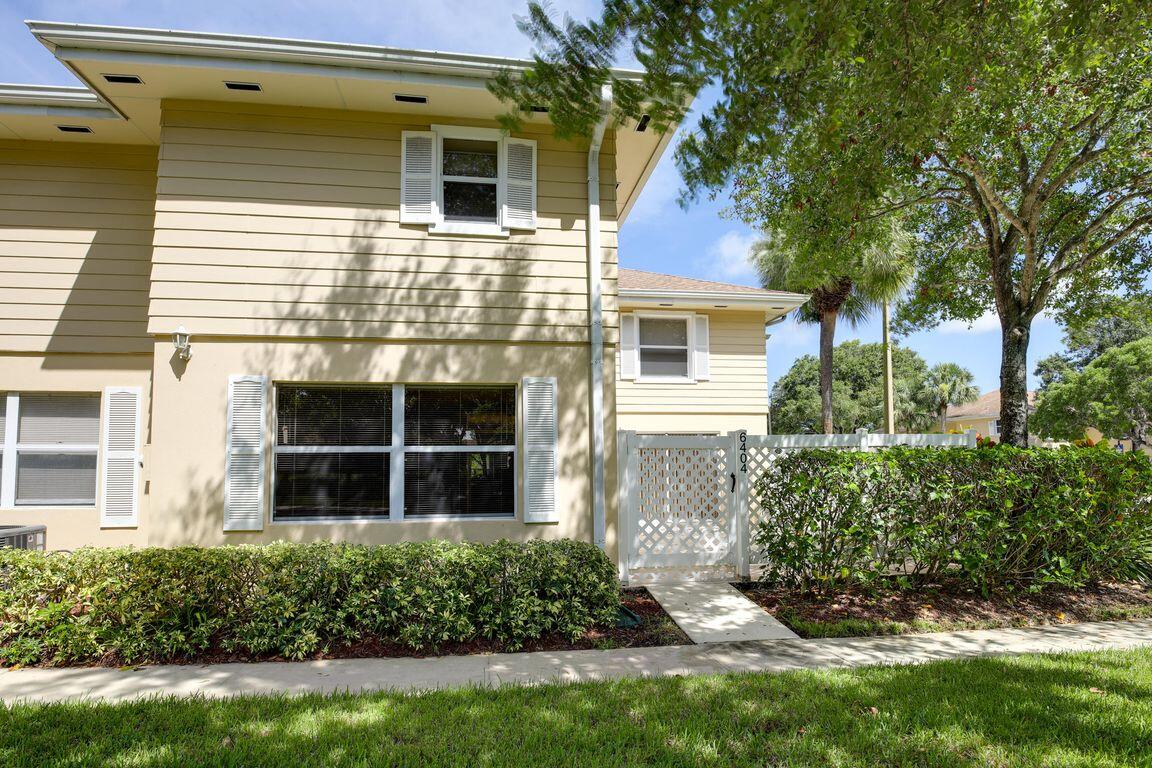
{"x": 849, "y": 286}
{"x": 948, "y": 384}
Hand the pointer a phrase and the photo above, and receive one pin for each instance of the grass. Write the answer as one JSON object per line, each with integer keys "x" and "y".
{"x": 1088, "y": 709}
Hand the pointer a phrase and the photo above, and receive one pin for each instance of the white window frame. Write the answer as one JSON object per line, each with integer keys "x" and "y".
{"x": 994, "y": 428}
{"x": 396, "y": 452}
{"x": 445, "y": 227}
{"x": 689, "y": 319}
{"x": 11, "y": 448}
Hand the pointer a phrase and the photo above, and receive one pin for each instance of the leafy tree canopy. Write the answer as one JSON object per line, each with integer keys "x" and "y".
{"x": 1013, "y": 136}
{"x": 857, "y": 391}
{"x": 1087, "y": 339}
{"x": 1113, "y": 394}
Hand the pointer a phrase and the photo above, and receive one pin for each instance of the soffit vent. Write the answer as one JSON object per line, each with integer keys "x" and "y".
{"x": 232, "y": 85}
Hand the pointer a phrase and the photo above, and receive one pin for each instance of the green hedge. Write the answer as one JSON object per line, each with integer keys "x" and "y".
{"x": 989, "y": 518}
{"x": 294, "y": 600}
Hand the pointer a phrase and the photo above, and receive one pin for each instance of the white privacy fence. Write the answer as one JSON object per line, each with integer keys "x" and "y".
{"x": 685, "y": 507}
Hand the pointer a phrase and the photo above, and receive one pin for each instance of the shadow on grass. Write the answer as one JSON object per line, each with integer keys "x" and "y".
{"x": 1078, "y": 709}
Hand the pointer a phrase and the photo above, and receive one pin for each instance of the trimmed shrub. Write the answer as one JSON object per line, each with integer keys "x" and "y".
{"x": 989, "y": 518}
{"x": 294, "y": 600}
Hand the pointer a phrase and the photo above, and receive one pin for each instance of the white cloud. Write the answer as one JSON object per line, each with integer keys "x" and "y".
{"x": 729, "y": 258}
{"x": 792, "y": 334}
{"x": 987, "y": 323}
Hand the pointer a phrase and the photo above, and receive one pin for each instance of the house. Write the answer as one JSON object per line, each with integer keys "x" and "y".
{"x": 261, "y": 289}
{"x": 692, "y": 354}
{"x": 982, "y": 415}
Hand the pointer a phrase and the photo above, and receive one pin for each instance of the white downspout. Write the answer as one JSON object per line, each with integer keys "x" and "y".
{"x": 596, "y": 324}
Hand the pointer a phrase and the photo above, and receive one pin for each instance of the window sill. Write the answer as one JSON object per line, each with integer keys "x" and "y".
{"x": 664, "y": 380}
{"x": 386, "y": 520}
{"x": 468, "y": 228}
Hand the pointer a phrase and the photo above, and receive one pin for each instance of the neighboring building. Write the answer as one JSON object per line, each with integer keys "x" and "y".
{"x": 388, "y": 311}
{"x": 982, "y": 415}
{"x": 692, "y": 354}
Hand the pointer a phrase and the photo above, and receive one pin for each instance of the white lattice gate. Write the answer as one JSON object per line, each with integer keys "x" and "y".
{"x": 679, "y": 507}
{"x": 686, "y": 505}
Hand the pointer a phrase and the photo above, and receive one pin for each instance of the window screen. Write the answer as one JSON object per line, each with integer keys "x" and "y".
{"x": 663, "y": 346}
{"x": 470, "y": 178}
{"x": 54, "y": 448}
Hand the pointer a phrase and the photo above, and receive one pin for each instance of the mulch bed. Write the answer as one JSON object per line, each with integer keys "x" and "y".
{"x": 941, "y": 608}
{"x": 656, "y": 628}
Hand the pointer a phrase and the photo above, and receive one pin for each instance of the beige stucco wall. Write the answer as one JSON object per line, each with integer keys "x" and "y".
{"x": 187, "y": 497}
{"x": 734, "y": 398}
{"x": 72, "y": 527}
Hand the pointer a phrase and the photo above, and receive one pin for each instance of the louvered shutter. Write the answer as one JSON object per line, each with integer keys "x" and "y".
{"x": 418, "y": 178}
{"x": 244, "y": 465}
{"x": 539, "y": 402}
{"x": 628, "y": 356}
{"x": 700, "y": 365}
{"x": 519, "y": 184}
{"x": 120, "y": 471}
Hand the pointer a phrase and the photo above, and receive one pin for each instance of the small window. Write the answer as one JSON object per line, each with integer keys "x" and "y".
{"x": 994, "y": 428}
{"x": 664, "y": 348}
{"x": 53, "y": 448}
{"x": 470, "y": 180}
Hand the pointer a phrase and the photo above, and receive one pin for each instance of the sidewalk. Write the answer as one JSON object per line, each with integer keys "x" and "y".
{"x": 222, "y": 680}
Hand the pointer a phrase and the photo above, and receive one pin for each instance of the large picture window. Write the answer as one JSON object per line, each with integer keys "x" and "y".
{"x": 394, "y": 452}
{"x": 49, "y": 449}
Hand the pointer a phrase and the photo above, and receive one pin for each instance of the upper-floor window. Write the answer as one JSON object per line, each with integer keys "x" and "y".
{"x": 462, "y": 180}
{"x": 664, "y": 346}
{"x": 48, "y": 449}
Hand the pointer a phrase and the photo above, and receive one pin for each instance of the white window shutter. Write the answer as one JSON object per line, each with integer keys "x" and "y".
{"x": 539, "y": 405}
{"x": 418, "y": 175}
{"x": 244, "y": 465}
{"x": 519, "y": 184}
{"x": 629, "y": 362}
{"x": 700, "y": 366}
{"x": 120, "y": 468}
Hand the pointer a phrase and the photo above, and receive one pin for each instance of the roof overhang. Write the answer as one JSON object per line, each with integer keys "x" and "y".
{"x": 192, "y": 66}
{"x": 772, "y": 303}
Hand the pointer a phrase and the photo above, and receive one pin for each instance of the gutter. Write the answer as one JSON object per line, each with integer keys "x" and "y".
{"x": 766, "y": 300}
{"x": 596, "y": 324}
{"x": 67, "y": 37}
{"x": 54, "y": 100}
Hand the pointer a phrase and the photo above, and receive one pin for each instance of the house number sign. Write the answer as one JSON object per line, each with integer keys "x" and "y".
{"x": 743, "y": 451}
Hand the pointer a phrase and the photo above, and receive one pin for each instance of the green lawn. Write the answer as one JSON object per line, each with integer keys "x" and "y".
{"x": 1079, "y": 710}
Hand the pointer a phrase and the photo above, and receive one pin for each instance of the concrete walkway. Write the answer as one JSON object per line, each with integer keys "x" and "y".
{"x": 717, "y": 612}
{"x": 222, "y": 680}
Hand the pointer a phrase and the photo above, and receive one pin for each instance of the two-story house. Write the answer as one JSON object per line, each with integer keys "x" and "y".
{"x": 260, "y": 289}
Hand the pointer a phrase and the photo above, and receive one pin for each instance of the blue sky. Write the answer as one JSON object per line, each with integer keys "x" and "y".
{"x": 659, "y": 236}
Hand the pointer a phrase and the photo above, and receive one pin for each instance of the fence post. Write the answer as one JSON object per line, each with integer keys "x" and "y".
{"x": 624, "y": 499}
{"x": 738, "y": 468}
{"x": 862, "y": 437}
{"x": 971, "y": 433}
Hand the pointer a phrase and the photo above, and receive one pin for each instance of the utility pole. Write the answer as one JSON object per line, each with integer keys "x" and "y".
{"x": 889, "y": 398}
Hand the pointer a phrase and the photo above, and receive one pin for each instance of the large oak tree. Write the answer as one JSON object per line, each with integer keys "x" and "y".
{"x": 1013, "y": 134}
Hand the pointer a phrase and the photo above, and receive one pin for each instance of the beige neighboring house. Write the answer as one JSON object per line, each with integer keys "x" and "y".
{"x": 692, "y": 354}
{"x": 263, "y": 289}
{"x": 982, "y": 415}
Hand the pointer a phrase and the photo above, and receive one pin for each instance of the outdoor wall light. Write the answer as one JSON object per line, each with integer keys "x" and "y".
{"x": 182, "y": 340}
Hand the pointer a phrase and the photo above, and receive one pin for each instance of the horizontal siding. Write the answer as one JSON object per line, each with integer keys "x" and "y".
{"x": 277, "y": 221}
{"x": 737, "y": 365}
{"x": 75, "y": 247}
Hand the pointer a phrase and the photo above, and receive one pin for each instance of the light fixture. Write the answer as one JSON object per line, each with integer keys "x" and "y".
{"x": 182, "y": 340}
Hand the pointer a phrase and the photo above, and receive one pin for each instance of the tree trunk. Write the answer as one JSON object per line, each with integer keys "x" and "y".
{"x": 827, "y": 335}
{"x": 1014, "y": 382}
{"x": 943, "y": 414}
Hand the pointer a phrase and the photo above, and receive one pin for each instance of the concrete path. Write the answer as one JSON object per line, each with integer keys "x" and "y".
{"x": 716, "y": 612}
{"x": 222, "y": 680}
